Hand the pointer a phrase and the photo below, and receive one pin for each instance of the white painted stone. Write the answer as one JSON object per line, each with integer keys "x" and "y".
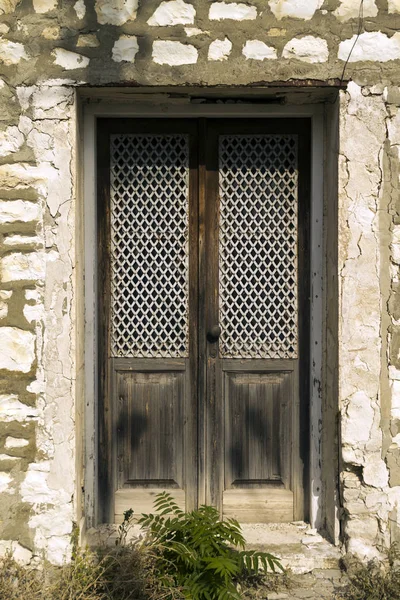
{"x": 44, "y": 6}
{"x": 21, "y": 555}
{"x": 21, "y": 240}
{"x": 371, "y": 45}
{"x": 5, "y": 294}
{"x": 36, "y": 489}
{"x": 11, "y": 53}
{"x": 50, "y": 102}
{"x": 53, "y": 522}
{"x": 375, "y": 472}
{"x": 4, "y": 28}
{"x": 5, "y": 480}
{"x": 33, "y": 295}
{"x": 125, "y": 48}
{"x": 58, "y": 550}
{"x": 8, "y": 6}
{"x": 232, "y": 10}
{"x": 357, "y": 420}
{"x": 13, "y": 211}
{"x": 192, "y": 31}
{"x": 219, "y": 49}
{"x": 17, "y": 349}
{"x": 395, "y": 245}
{"x": 11, "y": 409}
{"x": 394, "y": 373}
{"x": 11, "y": 141}
{"x": 80, "y": 9}
{"x": 33, "y": 312}
{"x": 394, "y": 6}
{"x": 115, "y": 12}
{"x": 174, "y": 53}
{"x": 69, "y": 60}
{"x": 88, "y": 40}
{"x": 3, "y": 310}
{"x": 7, "y": 457}
{"x": 350, "y": 9}
{"x": 298, "y": 9}
{"x": 307, "y": 49}
{"x": 173, "y": 12}
{"x": 13, "y": 442}
{"x": 257, "y": 50}
{"x": 19, "y": 266}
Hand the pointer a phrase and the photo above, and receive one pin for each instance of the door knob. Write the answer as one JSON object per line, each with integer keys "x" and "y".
{"x": 214, "y": 333}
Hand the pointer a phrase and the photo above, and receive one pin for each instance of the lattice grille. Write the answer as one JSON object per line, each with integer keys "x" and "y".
{"x": 149, "y": 245}
{"x": 258, "y": 246}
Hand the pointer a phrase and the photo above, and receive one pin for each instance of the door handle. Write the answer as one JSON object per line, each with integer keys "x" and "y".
{"x": 213, "y": 334}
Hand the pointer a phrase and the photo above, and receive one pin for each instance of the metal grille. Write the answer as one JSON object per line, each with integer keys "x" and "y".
{"x": 149, "y": 245}
{"x": 258, "y": 246}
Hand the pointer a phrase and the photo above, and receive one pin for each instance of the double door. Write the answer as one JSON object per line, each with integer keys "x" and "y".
{"x": 203, "y": 247}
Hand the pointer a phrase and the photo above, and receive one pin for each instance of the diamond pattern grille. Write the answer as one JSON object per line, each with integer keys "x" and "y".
{"x": 149, "y": 245}
{"x": 258, "y": 246}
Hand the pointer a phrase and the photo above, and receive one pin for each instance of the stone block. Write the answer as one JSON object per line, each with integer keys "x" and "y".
{"x": 257, "y": 50}
{"x": 44, "y": 6}
{"x": 300, "y": 9}
{"x": 357, "y": 420}
{"x": 13, "y": 442}
{"x": 350, "y": 9}
{"x": 173, "y": 12}
{"x": 308, "y": 49}
{"x": 18, "y": 266}
{"x": 11, "y": 141}
{"x": 8, "y": 6}
{"x": 371, "y": 45}
{"x": 14, "y": 211}
{"x": 69, "y": 60}
{"x": 394, "y": 6}
{"x": 115, "y": 12}
{"x": 219, "y": 49}
{"x": 232, "y": 10}
{"x": 11, "y": 53}
{"x": 174, "y": 53}
{"x": 80, "y": 9}
{"x": 11, "y": 409}
{"x": 125, "y": 48}
{"x": 17, "y": 349}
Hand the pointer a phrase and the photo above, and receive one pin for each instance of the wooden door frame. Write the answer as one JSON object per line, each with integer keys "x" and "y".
{"x": 137, "y": 107}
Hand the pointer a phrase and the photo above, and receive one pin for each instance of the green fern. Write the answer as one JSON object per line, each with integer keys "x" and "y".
{"x": 199, "y": 554}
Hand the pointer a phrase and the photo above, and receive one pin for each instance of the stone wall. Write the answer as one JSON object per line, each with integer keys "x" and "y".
{"x": 51, "y": 48}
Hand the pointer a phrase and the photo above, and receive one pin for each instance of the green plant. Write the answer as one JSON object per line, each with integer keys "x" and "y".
{"x": 196, "y": 555}
{"x": 372, "y": 580}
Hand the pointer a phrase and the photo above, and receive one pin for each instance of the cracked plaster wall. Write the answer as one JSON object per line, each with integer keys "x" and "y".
{"x": 48, "y": 48}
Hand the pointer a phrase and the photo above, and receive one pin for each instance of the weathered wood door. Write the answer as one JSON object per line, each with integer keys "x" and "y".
{"x": 204, "y": 312}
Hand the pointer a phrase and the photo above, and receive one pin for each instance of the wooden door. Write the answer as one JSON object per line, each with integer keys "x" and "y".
{"x": 254, "y": 301}
{"x": 203, "y": 280}
{"x": 148, "y": 318}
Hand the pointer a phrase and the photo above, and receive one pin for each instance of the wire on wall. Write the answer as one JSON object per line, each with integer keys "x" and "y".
{"x": 359, "y": 32}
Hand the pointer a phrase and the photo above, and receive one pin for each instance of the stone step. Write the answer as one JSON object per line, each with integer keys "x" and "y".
{"x": 300, "y": 548}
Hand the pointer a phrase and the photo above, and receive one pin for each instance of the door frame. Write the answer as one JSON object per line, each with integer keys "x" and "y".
{"x": 163, "y": 108}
